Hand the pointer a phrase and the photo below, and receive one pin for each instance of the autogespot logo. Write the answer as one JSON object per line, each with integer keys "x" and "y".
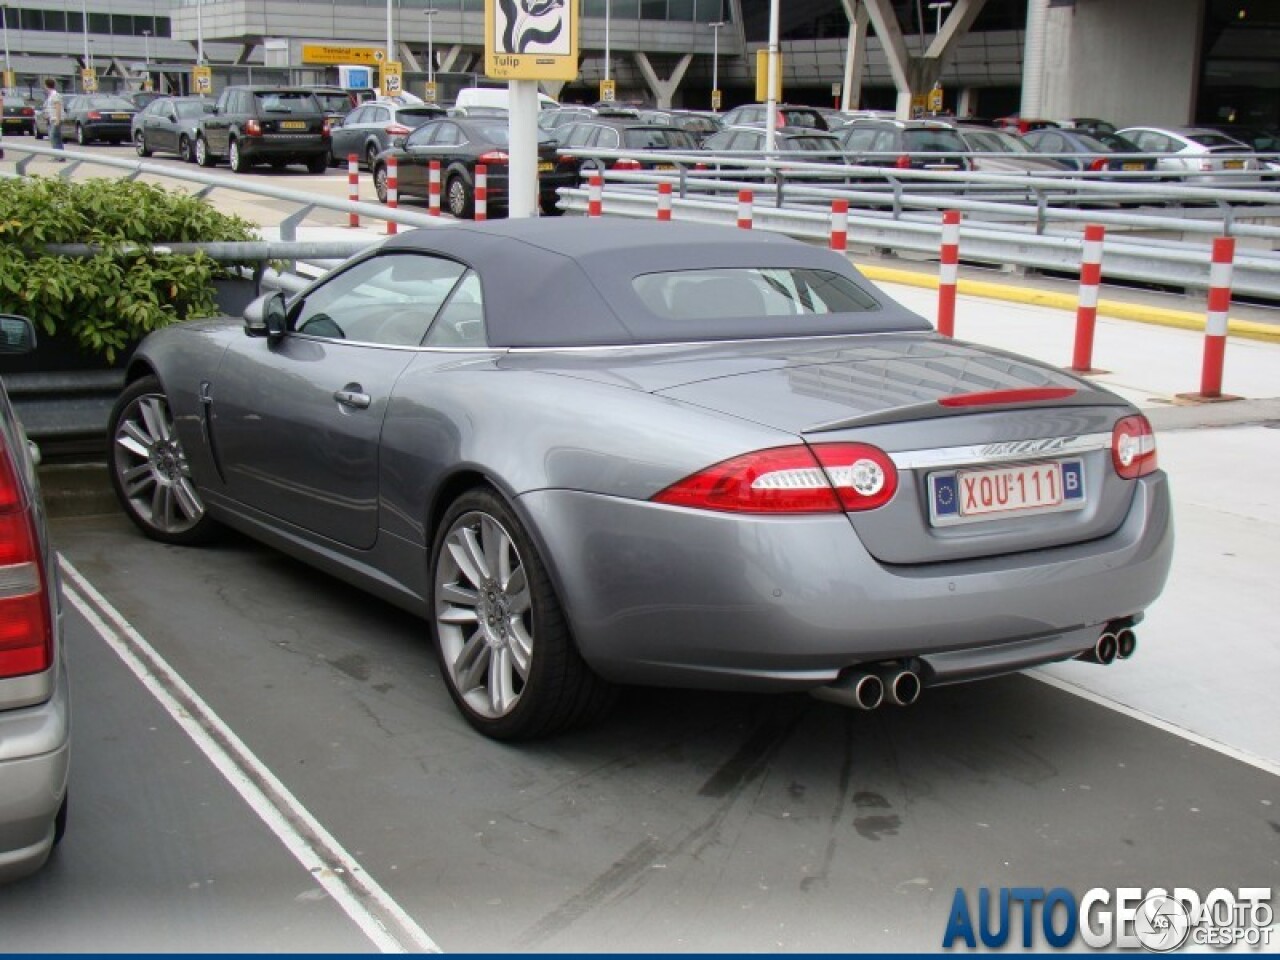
{"x": 1156, "y": 920}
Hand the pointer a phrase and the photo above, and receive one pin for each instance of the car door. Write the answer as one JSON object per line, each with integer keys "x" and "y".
{"x": 296, "y": 421}
{"x": 162, "y": 126}
{"x": 217, "y": 126}
{"x": 345, "y": 138}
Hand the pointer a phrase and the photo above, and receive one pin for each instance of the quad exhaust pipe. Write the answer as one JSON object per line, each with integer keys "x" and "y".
{"x": 867, "y": 689}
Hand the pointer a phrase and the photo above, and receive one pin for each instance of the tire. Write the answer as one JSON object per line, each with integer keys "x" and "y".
{"x": 140, "y": 144}
{"x": 518, "y": 674}
{"x": 37, "y": 134}
{"x": 82, "y": 138}
{"x": 184, "y": 149}
{"x": 149, "y": 469}
{"x": 239, "y": 164}
{"x": 203, "y": 155}
{"x": 371, "y": 155}
{"x": 318, "y": 163}
{"x": 459, "y": 198}
{"x": 548, "y": 203}
{"x": 380, "y": 183}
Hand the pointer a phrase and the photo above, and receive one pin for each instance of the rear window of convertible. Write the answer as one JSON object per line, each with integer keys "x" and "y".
{"x": 749, "y": 292}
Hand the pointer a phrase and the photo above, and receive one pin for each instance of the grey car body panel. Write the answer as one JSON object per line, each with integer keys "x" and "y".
{"x": 578, "y": 439}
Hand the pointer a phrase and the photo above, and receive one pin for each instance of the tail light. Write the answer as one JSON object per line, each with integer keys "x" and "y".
{"x": 991, "y": 398}
{"x": 1098, "y": 163}
{"x": 26, "y": 628}
{"x": 94, "y": 115}
{"x": 1206, "y": 165}
{"x": 903, "y": 162}
{"x": 252, "y": 128}
{"x": 396, "y": 130}
{"x": 326, "y": 129}
{"x": 626, "y": 163}
{"x": 28, "y": 112}
{"x": 1133, "y": 447}
{"x": 493, "y": 156}
{"x": 825, "y": 478}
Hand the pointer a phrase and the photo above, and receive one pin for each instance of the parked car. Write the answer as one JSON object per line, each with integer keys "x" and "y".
{"x": 789, "y": 115}
{"x": 376, "y": 126}
{"x": 35, "y": 709}
{"x": 1022, "y": 125}
{"x": 459, "y": 144}
{"x": 801, "y": 144}
{"x": 170, "y": 125}
{"x": 336, "y": 102}
{"x": 1082, "y": 151}
{"x": 142, "y": 98}
{"x": 997, "y": 151}
{"x": 87, "y": 117}
{"x": 553, "y": 120}
{"x": 1207, "y": 155}
{"x": 787, "y": 482}
{"x": 1090, "y": 125}
{"x": 904, "y": 144}
{"x": 19, "y": 115}
{"x": 605, "y": 133}
{"x": 696, "y": 123}
{"x": 1265, "y": 140}
{"x": 276, "y": 125}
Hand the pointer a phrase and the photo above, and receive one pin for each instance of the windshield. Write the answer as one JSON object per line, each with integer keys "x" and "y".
{"x": 755, "y": 292}
{"x": 1109, "y": 141}
{"x": 415, "y": 118}
{"x": 1214, "y": 140}
{"x": 334, "y": 102}
{"x": 933, "y": 141}
{"x": 287, "y": 101}
{"x": 995, "y": 141}
{"x": 193, "y": 108}
{"x": 657, "y": 138}
{"x": 814, "y": 144}
{"x": 106, "y": 103}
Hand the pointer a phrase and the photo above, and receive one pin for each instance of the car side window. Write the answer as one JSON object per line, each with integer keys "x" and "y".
{"x": 1051, "y": 143}
{"x": 608, "y": 139}
{"x": 389, "y": 300}
{"x": 380, "y": 115}
{"x": 579, "y": 135}
{"x": 356, "y": 116}
{"x": 421, "y": 137}
{"x": 461, "y": 322}
{"x": 447, "y": 135}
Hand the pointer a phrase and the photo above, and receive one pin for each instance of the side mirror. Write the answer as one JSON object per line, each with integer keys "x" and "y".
{"x": 266, "y": 316}
{"x": 17, "y": 334}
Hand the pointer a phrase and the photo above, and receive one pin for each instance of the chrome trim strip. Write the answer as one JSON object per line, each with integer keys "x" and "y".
{"x": 999, "y": 452}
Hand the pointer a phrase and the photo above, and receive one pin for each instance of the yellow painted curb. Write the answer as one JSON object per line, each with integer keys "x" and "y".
{"x": 1160, "y": 316}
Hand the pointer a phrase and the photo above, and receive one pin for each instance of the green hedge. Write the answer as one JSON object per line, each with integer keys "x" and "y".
{"x": 107, "y": 303}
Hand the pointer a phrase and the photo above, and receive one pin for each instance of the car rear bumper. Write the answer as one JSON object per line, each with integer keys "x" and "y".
{"x": 121, "y": 129}
{"x": 283, "y": 147}
{"x": 673, "y": 596}
{"x": 34, "y": 756}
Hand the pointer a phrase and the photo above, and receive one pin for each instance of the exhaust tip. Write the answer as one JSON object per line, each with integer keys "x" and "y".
{"x": 1105, "y": 650}
{"x": 864, "y": 691}
{"x": 1126, "y": 643}
{"x": 904, "y": 688}
{"x": 868, "y": 691}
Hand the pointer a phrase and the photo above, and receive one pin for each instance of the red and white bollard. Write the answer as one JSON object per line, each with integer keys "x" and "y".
{"x": 433, "y": 188}
{"x": 393, "y": 191}
{"x": 745, "y": 200}
{"x": 595, "y": 195}
{"x": 948, "y": 272}
{"x": 1215, "y": 328}
{"x": 1087, "y": 302}
{"x": 664, "y": 201}
{"x": 353, "y": 187}
{"x": 482, "y": 192}
{"x": 840, "y": 226}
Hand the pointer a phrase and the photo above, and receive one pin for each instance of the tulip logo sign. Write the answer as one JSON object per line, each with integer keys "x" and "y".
{"x": 1156, "y": 920}
{"x": 531, "y": 39}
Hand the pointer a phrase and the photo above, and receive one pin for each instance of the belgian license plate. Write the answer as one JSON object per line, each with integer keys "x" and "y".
{"x": 293, "y": 125}
{"x": 665, "y": 166}
{"x": 967, "y": 496}
{"x": 1233, "y": 164}
{"x": 120, "y": 116}
{"x": 1132, "y": 166}
{"x": 546, "y": 166}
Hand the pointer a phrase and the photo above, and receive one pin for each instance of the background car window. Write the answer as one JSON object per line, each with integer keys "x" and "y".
{"x": 1053, "y": 143}
{"x": 935, "y": 141}
{"x": 642, "y": 139}
{"x": 447, "y": 135}
{"x": 763, "y": 292}
{"x": 461, "y": 322}
{"x": 422, "y": 136}
{"x": 288, "y": 102}
{"x": 717, "y": 141}
{"x": 192, "y": 108}
{"x": 379, "y": 115}
{"x": 389, "y": 300}
{"x": 859, "y": 139}
{"x": 579, "y": 135}
{"x": 608, "y": 139}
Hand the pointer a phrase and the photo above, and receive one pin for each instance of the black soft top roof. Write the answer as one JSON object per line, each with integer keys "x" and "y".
{"x": 567, "y": 282}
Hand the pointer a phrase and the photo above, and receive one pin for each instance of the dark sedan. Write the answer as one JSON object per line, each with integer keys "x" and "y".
{"x": 648, "y": 140}
{"x": 19, "y": 115}
{"x": 97, "y": 116}
{"x": 905, "y": 145}
{"x": 1089, "y": 152}
{"x": 169, "y": 125}
{"x": 459, "y": 144}
{"x": 595, "y": 452}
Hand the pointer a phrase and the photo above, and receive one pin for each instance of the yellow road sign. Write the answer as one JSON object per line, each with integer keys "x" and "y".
{"x": 89, "y": 80}
{"x": 715, "y": 99}
{"x": 392, "y": 79}
{"x": 608, "y": 91}
{"x": 431, "y": 93}
{"x": 202, "y": 80}
{"x": 538, "y": 45}
{"x": 935, "y": 100}
{"x": 762, "y": 76}
{"x": 336, "y": 53}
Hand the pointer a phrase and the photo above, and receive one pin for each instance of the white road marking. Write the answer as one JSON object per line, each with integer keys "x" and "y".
{"x": 372, "y": 909}
{"x": 1243, "y": 756}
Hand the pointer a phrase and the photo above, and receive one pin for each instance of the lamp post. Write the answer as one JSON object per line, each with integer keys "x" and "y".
{"x": 715, "y": 62}
{"x": 4, "y": 24}
{"x": 199, "y": 32}
{"x": 939, "y": 8}
{"x": 84, "y": 22}
{"x": 430, "y": 14}
{"x": 391, "y": 39}
{"x": 146, "y": 46}
{"x": 608, "y": 5}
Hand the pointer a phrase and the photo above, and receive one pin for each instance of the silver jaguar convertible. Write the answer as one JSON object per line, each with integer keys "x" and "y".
{"x": 593, "y": 453}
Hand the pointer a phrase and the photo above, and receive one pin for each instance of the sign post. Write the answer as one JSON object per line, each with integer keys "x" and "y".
{"x": 523, "y": 48}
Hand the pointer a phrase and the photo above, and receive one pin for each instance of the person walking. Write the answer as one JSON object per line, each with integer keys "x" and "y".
{"x": 53, "y": 113}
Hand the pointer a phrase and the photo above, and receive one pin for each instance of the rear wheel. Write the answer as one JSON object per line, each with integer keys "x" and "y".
{"x": 380, "y": 183}
{"x": 184, "y": 149}
{"x": 82, "y": 136}
{"x": 149, "y": 468}
{"x": 371, "y": 156}
{"x": 458, "y": 196}
{"x": 319, "y": 163}
{"x": 140, "y": 144}
{"x": 508, "y": 658}
{"x": 239, "y": 163}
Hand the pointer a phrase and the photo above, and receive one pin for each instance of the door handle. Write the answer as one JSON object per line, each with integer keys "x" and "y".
{"x": 353, "y": 399}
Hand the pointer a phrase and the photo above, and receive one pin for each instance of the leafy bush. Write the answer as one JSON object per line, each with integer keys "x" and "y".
{"x": 108, "y": 302}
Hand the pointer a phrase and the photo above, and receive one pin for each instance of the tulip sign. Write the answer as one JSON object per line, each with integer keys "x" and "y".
{"x": 531, "y": 39}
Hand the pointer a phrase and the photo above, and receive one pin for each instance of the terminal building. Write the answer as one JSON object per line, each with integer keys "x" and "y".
{"x": 1128, "y": 61}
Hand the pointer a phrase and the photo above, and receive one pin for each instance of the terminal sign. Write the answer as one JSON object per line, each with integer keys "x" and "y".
{"x": 532, "y": 40}
{"x": 330, "y": 53}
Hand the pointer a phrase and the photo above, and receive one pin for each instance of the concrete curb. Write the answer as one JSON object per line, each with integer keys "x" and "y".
{"x": 1158, "y": 316}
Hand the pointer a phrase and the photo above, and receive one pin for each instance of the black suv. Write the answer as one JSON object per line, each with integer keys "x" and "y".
{"x": 273, "y": 125}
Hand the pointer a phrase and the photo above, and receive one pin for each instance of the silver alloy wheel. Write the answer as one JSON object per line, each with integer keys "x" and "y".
{"x": 233, "y": 156}
{"x": 457, "y": 198}
{"x": 484, "y": 614}
{"x": 152, "y": 467}
{"x": 185, "y": 151}
{"x": 380, "y": 184}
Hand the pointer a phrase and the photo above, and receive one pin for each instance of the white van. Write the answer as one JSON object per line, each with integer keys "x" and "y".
{"x": 495, "y": 97}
